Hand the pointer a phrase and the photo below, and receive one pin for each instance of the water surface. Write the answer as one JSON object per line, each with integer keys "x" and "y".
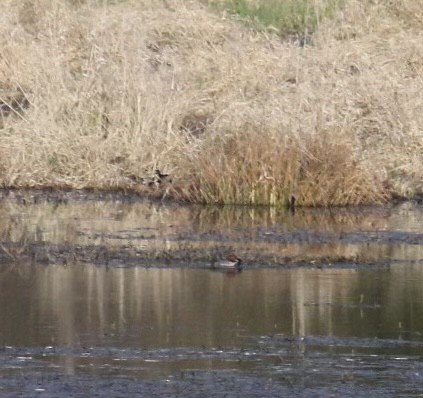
{"x": 329, "y": 303}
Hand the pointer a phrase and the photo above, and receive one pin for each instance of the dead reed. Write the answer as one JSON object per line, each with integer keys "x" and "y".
{"x": 116, "y": 90}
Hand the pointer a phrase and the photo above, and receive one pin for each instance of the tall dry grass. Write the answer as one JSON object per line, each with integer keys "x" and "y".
{"x": 117, "y": 89}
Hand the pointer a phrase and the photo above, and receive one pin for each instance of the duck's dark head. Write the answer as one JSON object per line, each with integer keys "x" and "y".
{"x": 235, "y": 259}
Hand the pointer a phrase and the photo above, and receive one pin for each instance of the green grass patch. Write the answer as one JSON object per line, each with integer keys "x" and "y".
{"x": 284, "y": 16}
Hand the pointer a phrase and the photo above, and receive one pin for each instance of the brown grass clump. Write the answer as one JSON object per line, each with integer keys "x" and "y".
{"x": 263, "y": 167}
{"x": 117, "y": 89}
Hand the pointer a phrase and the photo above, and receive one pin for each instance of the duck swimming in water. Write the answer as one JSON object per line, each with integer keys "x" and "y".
{"x": 231, "y": 262}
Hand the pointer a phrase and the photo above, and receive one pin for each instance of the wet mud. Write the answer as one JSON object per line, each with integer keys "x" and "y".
{"x": 222, "y": 230}
{"x": 104, "y": 294}
{"x": 128, "y": 256}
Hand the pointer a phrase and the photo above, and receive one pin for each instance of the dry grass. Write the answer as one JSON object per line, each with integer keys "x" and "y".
{"x": 117, "y": 89}
{"x": 265, "y": 167}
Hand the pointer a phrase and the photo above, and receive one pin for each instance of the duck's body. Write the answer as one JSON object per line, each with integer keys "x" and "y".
{"x": 231, "y": 262}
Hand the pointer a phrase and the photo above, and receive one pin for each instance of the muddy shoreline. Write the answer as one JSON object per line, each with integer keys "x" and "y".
{"x": 197, "y": 248}
{"x": 59, "y": 195}
{"x": 42, "y": 253}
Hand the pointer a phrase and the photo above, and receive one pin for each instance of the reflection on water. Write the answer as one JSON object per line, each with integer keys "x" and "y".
{"x": 371, "y": 234}
{"x": 276, "y": 325}
{"x": 86, "y": 305}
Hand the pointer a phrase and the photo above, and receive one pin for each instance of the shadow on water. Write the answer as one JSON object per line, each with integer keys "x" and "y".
{"x": 116, "y": 297}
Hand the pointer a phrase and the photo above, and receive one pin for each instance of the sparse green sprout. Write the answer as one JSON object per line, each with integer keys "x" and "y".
{"x": 283, "y": 16}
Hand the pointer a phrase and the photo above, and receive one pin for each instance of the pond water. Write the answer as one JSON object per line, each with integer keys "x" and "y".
{"x": 115, "y": 296}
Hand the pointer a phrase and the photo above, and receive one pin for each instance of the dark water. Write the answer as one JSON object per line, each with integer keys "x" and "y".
{"x": 343, "y": 319}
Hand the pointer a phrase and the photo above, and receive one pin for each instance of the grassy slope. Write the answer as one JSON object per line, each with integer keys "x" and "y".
{"x": 235, "y": 115}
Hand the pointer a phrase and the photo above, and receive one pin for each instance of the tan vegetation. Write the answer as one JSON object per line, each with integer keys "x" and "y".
{"x": 236, "y": 115}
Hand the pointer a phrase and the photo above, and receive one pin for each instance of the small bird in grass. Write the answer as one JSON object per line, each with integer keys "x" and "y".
{"x": 231, "y": 262}
{"x": 147, "y": 181}
{"x": 159, "y": 177}
{"x": 155, "y": 181}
